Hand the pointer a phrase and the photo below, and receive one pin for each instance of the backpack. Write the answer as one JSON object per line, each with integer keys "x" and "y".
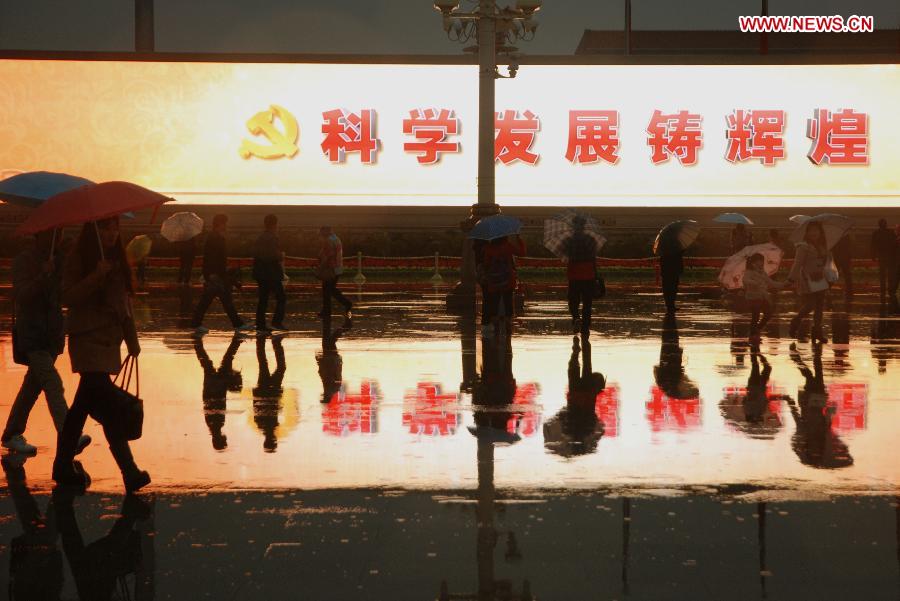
{"x": 498, "y": 274}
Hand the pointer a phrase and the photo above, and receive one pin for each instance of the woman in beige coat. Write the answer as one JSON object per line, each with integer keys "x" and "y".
{"x": 96, "y": 289}
{"x": 808, "y": 276}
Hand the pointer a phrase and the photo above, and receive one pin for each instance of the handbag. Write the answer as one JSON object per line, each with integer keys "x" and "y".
{"x": 816, "y": 285}
{"x": 122, "y": 414}
{"x": 831, "y": 271}
{"x": 19, "y": 357}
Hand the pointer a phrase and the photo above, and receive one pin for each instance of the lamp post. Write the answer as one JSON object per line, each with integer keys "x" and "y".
{"x": 144, "y": 36}
{"x": 494, "y": 30}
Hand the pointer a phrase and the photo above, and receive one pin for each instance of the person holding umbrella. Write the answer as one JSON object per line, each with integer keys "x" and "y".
{"x": 500, "y": 279}
{"x": 670, "y": 245}
{"x": 38, "y": 339}
{"x": 577, "y": 240}
{"x": 808, "y": 276}
{"x": 97, "y": 290}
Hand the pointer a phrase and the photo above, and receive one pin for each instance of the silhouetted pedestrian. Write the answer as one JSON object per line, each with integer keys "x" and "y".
{"x": 217, "y": 279}
{"x": 331, "y": 266}
{"x": 500, "y": 279}
{"x": 757, "y": 285}
{"x": 741, "y": 236}
{"x": 268, "y": 271}
{"x": 808, "y": 276}
{"x": 885, "y": 252}
{"x": 97, "y": 289}
{"x": 581, "y": 272}
{"x": 671, "y": 266}
{"x": 842, "y": 253}
{"x": 38, "y": 339}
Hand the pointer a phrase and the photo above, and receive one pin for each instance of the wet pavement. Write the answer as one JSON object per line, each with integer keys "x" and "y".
{"x": 408, "y": 457}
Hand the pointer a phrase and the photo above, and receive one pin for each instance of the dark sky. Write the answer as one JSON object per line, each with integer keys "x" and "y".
{"x": 364, "y": 26}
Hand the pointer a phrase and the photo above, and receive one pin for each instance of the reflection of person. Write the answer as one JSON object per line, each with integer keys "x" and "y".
{"x": 187, "y": 250}
{"x": 495, "y": 388}
{"x": 36, "y": 563}
{"x": 808, "y": 276}
{"x": 885, "y": 249}
{"x": 580, "y": 250}
{"x": 575, "y": 430}
{"x": 331, "y": 366}
{"x": 216, "y": 385}
{"x": 39, "y": 339}
{"x": 669, "y": 374}
{"x": 268, "y": 271}
{"x": 885, "y": 340}
{"x": 268, "y": 392}
{"x": 331, "y": 266}
{"x": 97, "y": 291}
{"x": 750, "y": 412}
{"x": 99, "y": 568}
{"x": 217, "y": 280}
{"x": 814, "y": 442}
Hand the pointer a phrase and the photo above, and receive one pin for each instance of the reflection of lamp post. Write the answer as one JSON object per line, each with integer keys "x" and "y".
{"x": 494, "y": 30}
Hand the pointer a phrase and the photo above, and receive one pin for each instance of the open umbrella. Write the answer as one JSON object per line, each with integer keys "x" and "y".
{"x": 495, "y": 226}
{"x": 138, "y": 249}
{"x": 558, "y": 229}
{"x": 732, "y": 218}
{"x": 90, "y": 203}
{"x": 676, "y": 236}
{"x": 732, "y": 274}
{"x": 835, "y": 227}
{"x": 181, "y": 227}
{"x": 34, "y": 188}
{"x": 798, "y": 219}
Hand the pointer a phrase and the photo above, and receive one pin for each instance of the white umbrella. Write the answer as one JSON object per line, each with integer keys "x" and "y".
{"x": 835, "y": 227}
{"x": 676, "y": 237}
{"x": 732, "y": 218}
{"x": 181, "y": 226}
{"x": 560, "y": 228}
{"x": 798, "y": 219}
{"x": 732, "y": 274}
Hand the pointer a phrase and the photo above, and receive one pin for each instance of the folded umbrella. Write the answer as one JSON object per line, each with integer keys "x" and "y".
{"x": 90, "y": 203}
{"x": 732, "y": 274}
{"x": 560, "y": 228}
{"x": 495, "y": 226}
{"x": 835, "y": 227}
{"x": 34, "y": 188}
{"x": 732, "y": 218}
{"x": 181, "y": 227}
{"x": 676, "y": 237}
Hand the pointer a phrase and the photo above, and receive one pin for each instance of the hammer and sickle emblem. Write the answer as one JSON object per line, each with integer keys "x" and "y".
{"x": 283, "y": 143}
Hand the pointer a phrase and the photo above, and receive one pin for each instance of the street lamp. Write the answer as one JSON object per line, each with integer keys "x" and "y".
{"x": 495, "y": 30}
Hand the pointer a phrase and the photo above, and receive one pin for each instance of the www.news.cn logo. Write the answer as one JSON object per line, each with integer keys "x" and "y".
{"x": 807, "y": 24}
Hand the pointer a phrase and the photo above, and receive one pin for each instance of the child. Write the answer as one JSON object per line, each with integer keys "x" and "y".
{"x": 756, "y": 289}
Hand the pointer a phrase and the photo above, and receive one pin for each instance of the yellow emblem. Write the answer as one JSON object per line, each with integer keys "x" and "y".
{"x": 283, "y": 143}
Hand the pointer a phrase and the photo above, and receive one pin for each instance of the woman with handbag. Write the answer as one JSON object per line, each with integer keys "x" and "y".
{"x": 808, "y": 276}
{"x": 97, "y": 290}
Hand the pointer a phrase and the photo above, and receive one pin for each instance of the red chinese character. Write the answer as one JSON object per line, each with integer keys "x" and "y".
{"x": 755, "y": 134}
{"x": 839, "y": 139}
{"x": 593, "y": 135}
{"x": 606, "y": 408}
{"x": 666, "y": 413}
{"x": 352, "y": 413}
{"x": 428, "y": 411}
{"x": 514, "y": 137}
{"x": 431, "y": 128}
{"x": 348, "y": 132}
{"x": 847, "y": 403}
{"x": 526, "y": 419}
{"x": 675, "y": 135}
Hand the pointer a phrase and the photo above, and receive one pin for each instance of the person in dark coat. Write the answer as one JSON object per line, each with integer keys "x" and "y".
{"x": 217, "y": 279}
{"x": 268, "y": 271}
{"x": 97, "y": 290}
{"x": 581, "y": 272}
{"x": 885, "y": 251}
{"x": 842, "y": 253}
{"x": 671, "y": 266}
{"x": 39, "y": 338}
{"x": 741, "y": 236}
{"x": 216, "y": 385}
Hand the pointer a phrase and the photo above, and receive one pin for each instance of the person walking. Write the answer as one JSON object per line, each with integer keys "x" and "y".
{"x": 217, "y": 282}
{"x": 580, "y": 251}
{"x": 187, "y": 250}
{"x": 884, "y": 251}
{"x": 808, "y": 276}
{"x": 268, "y": 271}
{"x": 500, "y": 279}
{"x": 331, "y": 266}
{"x": 97, "y": 290}
{"x": 756, "y": 290}
{"x": 38, "y": 339}
{"x": 671, "y": 266}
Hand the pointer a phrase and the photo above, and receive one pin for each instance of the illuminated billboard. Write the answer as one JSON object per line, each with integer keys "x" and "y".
{"x": 603, "y": 135}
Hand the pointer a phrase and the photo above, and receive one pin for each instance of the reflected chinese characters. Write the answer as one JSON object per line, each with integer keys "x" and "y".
{"x": 754, "y": 410}
{"x": 343, "y": 413}
{"x": 675, "y": 400}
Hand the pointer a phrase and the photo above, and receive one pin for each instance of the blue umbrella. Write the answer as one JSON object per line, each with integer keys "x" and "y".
{"x": 495, "y": 226}
{"x": 32, "y": 189}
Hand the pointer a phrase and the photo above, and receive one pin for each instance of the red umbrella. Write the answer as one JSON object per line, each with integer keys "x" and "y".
{"x": 90, "y": 203}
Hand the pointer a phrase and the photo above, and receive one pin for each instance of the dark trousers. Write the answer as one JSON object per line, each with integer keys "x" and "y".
{"x": 760, "y": 314}
{"x": 93, "y": 389}
{"x": 185, "y": 267}
{"x": 329, "y": 290}
{"x": 265, "y": 288}
{"x": 581, "y": 296}
{"x": 810, "y": 303}
{"x": 887, "y": 276}
{"x": 492, "y": 303}
{"x": 845, "y": 270}
{"x": 212, "y": 289}
{"x": 670, "y": 280}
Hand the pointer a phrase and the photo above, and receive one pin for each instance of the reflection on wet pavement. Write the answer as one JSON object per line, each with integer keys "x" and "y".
{"x": 658, "y": 459}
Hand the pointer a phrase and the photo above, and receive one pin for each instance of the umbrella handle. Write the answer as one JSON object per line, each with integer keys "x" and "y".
{"x": 52, "y": 244}
{"x": 99, "y": 242}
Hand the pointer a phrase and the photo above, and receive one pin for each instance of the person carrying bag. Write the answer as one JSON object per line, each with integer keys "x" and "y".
{"x": 122, "y": 413}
